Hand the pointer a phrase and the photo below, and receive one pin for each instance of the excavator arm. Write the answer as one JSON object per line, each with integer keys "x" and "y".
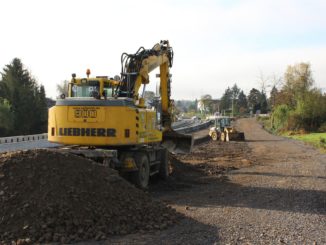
{"x": 135, "y": 72}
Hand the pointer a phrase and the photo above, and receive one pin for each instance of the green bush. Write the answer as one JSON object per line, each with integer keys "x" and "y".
{"x": 310, "y": 111}
{"x": 322, "y": 142}
{"x": 322, "y": 128}
{"x": 280, "y": 117}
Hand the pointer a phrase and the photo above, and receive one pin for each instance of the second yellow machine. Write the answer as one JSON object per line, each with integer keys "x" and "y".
{"x": 108, "y": 116}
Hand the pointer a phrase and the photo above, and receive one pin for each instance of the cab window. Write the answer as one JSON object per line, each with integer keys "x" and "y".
{"x": 85, "y": 89}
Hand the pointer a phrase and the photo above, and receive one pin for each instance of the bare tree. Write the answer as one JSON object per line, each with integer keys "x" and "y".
{"x": 277, "y": 81}
{"x": 264, "y": 82}
{"x": 62, "y": 88}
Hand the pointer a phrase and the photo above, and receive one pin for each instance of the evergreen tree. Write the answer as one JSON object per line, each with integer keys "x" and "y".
{"x": 27, "y": 100}
{"x": 263, "y": 103}
{"x": 3, "y": 90}
{"x": 273, "y": 96}
{"x": 235, "y": 94}
{"x": 254, "y": 99}
{"x": 41, "y": 117}
{"x": 6, "y": 118}
{"x": 242, "y": 102}
{"x": 226, "y": 100}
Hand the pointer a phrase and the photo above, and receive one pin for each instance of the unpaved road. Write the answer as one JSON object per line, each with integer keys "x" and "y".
{"x": 277, "y": 194}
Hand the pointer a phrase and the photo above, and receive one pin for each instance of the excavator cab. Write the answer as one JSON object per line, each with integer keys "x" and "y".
{"x": 100, "y": 87}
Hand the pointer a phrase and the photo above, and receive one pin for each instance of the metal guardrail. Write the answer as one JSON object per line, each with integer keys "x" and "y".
{"x": 23, "y": 138}
{"x": 194, "y": 128}
{"x": 183, "y": 123}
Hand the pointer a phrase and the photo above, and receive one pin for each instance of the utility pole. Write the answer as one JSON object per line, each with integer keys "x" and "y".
{"x": 232, "y": 107}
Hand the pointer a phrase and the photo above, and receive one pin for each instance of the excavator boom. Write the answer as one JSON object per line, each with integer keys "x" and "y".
{"x": 142, "y": 63}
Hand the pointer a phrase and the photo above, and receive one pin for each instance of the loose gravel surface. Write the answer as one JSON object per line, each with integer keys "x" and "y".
{"x": 49, "y": 196}
{"x": 267, "y": 190}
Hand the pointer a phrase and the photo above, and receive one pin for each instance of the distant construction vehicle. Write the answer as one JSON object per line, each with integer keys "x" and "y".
{"x": 223, "y": 130}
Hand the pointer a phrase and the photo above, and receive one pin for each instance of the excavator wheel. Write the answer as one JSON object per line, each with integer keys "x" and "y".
{"x": 141, "y": 177}
{"x": 164, "y": 165}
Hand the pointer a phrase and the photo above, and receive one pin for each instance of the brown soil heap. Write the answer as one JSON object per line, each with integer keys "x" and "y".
{"x": 47, "y": 196}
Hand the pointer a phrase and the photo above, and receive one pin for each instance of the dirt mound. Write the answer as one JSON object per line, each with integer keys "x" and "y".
{"x": 209, "y": 159}
{"x": 48, "y": 196}
{"x": 215, "y": 157}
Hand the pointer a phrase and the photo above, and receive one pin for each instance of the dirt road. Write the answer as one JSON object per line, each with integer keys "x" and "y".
{"x": 267, "y": 190}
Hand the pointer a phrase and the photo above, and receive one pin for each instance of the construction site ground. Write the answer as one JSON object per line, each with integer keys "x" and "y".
{"x": 266, "y": 190}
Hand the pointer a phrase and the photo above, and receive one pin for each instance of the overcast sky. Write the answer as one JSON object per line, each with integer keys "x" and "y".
{"x": 216, "y": 42}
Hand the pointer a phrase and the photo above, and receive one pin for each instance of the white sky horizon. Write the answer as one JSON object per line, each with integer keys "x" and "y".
{"x": 216, "y": 43}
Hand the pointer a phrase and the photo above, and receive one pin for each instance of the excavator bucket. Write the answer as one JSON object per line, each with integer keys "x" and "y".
{"x": 176, "y": 142}
{"x": 236, "y": 136}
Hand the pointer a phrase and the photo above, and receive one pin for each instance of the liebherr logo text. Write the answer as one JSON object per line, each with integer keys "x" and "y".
{"x": 92, "y": 132}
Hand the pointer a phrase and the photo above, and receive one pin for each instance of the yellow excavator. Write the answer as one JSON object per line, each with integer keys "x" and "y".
{"x": 107, "y": 118}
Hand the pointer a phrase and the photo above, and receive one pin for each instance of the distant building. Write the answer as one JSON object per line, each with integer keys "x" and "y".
{"x": 201, "y": 106}
{"x": 209, "y": 105}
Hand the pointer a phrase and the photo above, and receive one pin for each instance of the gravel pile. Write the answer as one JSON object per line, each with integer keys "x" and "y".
{"x": 47, "y": 196}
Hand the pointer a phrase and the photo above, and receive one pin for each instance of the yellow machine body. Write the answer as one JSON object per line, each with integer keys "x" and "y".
{"x": 102, "y": 125}
{"x": 102, "y": 111}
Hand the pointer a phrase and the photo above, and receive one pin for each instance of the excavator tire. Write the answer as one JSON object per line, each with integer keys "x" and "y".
{"x": 141, "y": 177}
{"x": 164, "y": 165}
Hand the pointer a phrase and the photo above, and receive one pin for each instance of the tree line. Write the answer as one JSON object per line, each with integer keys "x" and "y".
{"x": 23, "y": 105}
{"x": 294, "y": 103}
{"x": 233, "y": 101}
